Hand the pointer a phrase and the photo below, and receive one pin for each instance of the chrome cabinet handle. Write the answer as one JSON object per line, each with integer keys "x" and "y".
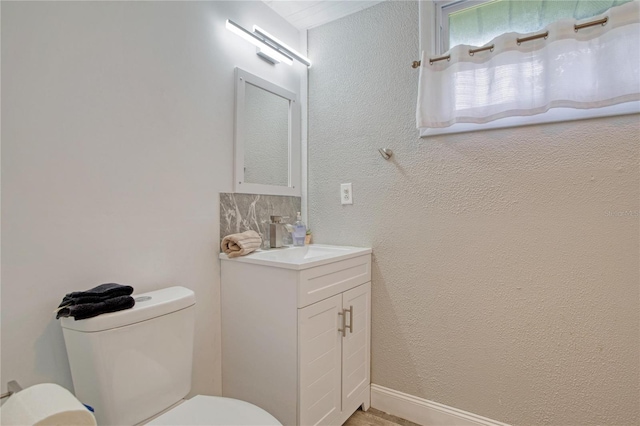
{"x": 343, "y": 330}
{"x": 350, "y": 326}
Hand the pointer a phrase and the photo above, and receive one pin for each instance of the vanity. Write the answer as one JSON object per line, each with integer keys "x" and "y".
{"x": 296, "y": 332}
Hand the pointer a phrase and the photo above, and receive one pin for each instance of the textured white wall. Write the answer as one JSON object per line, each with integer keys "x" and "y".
{"x": 117, "y": 135}
{"x": 505, "y": 282}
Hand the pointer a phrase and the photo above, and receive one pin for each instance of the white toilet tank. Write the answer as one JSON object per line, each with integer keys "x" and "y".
{"x": 133, "y": 364}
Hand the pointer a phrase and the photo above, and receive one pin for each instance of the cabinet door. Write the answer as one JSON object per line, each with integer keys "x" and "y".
{"x": 356, "y": 345}
{"x": 319, "y": 364}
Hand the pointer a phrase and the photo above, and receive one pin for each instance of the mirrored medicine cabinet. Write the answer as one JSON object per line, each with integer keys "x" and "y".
{"x": 267, "y": 137}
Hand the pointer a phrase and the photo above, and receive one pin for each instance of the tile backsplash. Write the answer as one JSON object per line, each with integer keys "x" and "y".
{"x": 241, "y": 212}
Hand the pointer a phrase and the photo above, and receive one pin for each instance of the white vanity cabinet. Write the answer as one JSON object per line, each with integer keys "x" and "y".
{"x": 334, "y": 367}
{"x": 296, "y": 332}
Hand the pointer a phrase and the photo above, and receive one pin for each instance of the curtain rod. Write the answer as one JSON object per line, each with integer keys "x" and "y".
{"x": 576, "y": 27}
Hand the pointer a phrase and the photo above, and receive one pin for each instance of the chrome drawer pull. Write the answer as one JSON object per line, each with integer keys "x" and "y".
{"x": 350, "y": 326}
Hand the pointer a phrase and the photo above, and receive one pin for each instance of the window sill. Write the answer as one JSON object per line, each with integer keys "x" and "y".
{"x": 554, "y": 115}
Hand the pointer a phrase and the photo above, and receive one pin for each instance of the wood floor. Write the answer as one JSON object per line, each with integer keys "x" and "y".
{"x": 374, "y": 417}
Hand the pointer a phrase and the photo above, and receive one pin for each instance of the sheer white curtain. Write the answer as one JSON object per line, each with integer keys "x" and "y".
{"x": 595, "y": 67}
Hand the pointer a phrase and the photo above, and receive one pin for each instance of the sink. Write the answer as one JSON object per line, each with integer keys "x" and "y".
{"x": 300, "y": 257}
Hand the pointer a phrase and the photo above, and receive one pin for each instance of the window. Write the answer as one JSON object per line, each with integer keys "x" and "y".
{"x": 555, "y": 73}
{"x": 476, "y": 22}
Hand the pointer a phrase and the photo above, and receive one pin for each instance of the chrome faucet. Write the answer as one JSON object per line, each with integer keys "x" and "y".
{"x": 276, "y": 232}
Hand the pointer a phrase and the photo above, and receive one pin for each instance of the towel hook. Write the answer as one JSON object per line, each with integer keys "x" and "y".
{"x": 385, "y": 152}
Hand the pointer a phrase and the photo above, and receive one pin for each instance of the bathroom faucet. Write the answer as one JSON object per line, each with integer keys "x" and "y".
{"x": 276, "y": 232}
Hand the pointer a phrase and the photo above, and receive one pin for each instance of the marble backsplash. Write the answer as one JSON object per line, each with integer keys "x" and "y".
{"x": 241, "y": 212}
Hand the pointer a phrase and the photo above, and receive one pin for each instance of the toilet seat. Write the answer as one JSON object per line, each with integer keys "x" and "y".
{"x": 215, "y": 410}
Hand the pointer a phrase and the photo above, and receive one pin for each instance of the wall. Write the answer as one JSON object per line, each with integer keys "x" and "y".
{"x": 117, "y": 136}
{"x": 506, "y": 262}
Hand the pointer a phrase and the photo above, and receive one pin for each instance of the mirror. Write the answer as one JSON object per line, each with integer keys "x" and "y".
{"x": 267, "y": 137}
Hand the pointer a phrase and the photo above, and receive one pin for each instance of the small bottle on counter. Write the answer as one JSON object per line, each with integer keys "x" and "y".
{"x": 299, "y": 231}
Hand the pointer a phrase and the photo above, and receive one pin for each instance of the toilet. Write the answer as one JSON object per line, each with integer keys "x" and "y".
{"x": 134, "y": 366}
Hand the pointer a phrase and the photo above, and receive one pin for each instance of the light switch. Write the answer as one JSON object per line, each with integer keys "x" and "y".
{"x": 346, "y": 193}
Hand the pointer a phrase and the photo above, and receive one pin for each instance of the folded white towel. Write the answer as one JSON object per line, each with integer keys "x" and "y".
{"x": 235, "y": 245}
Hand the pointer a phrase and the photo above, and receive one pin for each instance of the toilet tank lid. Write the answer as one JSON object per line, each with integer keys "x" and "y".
{"x": 148, "y": 305}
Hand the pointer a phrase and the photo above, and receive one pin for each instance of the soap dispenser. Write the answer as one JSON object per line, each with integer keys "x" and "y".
{"x": 299, "y": 231}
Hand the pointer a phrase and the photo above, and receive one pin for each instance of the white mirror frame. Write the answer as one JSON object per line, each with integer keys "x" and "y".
{"x": 243, "y": 77}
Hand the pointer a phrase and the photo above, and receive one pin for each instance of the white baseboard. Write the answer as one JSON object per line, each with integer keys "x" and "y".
{"x": 423, "y": 411}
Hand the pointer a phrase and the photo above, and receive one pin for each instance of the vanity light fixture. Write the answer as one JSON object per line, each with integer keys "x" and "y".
{"x": 269, "y": 48}
{"x": 281, "y": 46}
{"x": 264, "y": 50}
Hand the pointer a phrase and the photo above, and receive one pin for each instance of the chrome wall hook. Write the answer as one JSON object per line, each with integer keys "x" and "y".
{"x": 385, "y": 152}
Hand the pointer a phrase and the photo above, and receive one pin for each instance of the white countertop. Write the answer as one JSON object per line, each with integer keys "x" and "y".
{"x": 300, "y": 257}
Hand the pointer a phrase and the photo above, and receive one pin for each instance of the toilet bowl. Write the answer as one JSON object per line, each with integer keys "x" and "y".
{"x": 134, "y": 366}
{"x": 215, "y": 410}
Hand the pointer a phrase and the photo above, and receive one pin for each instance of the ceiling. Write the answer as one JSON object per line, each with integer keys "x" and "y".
{"x": 305, "y": 14}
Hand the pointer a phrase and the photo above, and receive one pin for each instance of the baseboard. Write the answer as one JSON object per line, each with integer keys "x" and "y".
{"x": 423, "y": 411}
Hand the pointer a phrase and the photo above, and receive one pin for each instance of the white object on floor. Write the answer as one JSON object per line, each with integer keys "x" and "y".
{"x": 45, "y": 404}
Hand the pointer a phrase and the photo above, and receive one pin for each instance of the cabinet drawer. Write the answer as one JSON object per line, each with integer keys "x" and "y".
{"x": 326, "y": 280}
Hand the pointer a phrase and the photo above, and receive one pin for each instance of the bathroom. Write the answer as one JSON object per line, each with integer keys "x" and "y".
{"x": 506, "y": 262}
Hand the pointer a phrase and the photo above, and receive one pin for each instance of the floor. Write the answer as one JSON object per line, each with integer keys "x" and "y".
{"x": 374, "y": 417}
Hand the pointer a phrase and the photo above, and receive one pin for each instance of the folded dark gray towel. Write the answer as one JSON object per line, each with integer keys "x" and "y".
{"x": 89, "y": 310}
{"x": 96, "y": 294}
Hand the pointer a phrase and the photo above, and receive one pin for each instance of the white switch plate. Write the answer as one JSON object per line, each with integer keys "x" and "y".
{"x": 346, "y": 193}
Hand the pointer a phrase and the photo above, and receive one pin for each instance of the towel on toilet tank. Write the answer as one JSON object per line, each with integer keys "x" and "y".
{"x": 235, "y": 245}
{"x": 90, "y": 310}
{"x": 103, "y": 299}
{"x": 96, "y": 294}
